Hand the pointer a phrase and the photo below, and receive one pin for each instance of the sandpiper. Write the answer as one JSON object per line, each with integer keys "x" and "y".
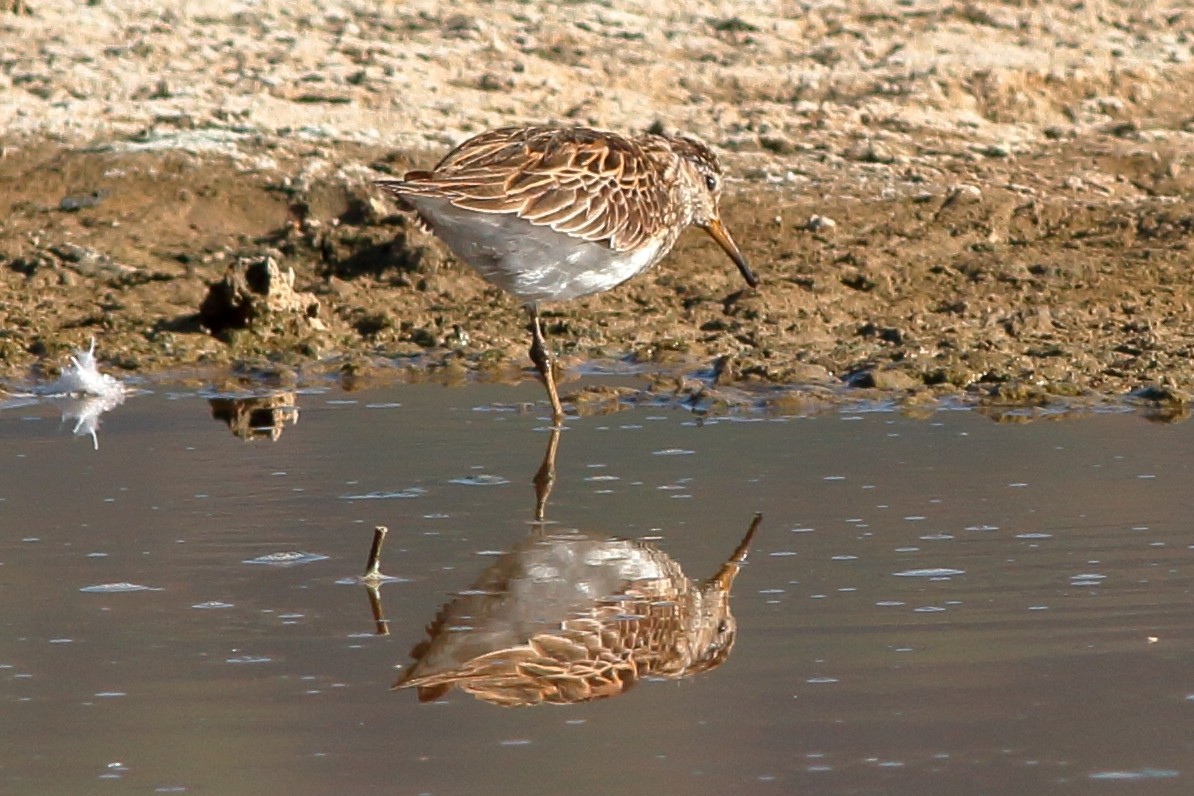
{"x": 553, "y": 213}
{"x": 613, "y": 612}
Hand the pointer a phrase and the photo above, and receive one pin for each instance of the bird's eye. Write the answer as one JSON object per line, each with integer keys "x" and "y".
{"x": 710, "y": 182}
{"x": 722, "y": 627}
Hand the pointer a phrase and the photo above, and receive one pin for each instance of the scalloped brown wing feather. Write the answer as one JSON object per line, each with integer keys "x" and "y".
{"x": 592, "y": 185}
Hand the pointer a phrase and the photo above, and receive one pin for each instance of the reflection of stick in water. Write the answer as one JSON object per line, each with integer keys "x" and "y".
{"x": 571, "y": 617}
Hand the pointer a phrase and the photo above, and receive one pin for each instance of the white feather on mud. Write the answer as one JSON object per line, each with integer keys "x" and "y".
{"x": 82, "y": 379}
{"x": 82, "y": 393}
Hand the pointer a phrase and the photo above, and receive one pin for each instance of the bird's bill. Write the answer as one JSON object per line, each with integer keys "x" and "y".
{"x": 719, "y": 233}
{"x": 729, "y": 570}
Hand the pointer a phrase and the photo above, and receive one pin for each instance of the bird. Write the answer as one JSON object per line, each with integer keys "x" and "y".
{"x": 551, "y": 213}
{"x": 569, "y": 617}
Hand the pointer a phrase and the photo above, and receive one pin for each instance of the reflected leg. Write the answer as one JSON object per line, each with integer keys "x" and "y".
{"x": 545, "y": 478}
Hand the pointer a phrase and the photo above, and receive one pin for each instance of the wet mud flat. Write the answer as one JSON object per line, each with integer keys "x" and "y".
{"x": 1000, "y": 294}
{"x": 934, "y": 227}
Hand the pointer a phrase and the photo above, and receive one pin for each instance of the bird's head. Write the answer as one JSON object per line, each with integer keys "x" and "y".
{"x": 701, "y": 174}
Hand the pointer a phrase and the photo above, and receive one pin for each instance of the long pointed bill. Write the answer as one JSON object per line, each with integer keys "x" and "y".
{"x": 719, "y": 233}
{"x": 725, "y": 576}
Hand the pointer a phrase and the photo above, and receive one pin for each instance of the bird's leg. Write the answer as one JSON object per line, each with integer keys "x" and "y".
{"x": 545, "y": 478}
{"x": 542, "y": 359}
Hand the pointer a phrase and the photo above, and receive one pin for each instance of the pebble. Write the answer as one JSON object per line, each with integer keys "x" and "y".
{"x": 818, "y": 223}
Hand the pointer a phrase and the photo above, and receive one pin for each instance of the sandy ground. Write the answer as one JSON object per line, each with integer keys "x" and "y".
{"x": 981, "y": 200}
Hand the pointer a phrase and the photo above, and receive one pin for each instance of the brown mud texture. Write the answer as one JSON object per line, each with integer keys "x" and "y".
{"x": 932, "y": 212}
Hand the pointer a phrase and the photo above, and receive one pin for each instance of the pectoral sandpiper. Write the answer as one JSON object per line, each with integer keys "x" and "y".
{"x": 554, "y": 213}
{"x": 571, "y": 617}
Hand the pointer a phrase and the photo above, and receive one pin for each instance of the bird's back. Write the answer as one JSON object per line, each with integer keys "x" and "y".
{"x": 550, "y": 213}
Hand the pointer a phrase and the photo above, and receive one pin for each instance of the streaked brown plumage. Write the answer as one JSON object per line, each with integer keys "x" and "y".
{"x": 555, "y": 213}
{"x": 571, "y": 617}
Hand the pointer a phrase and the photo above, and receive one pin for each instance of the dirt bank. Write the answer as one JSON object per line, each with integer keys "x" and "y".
{"x": 987, "y": 200}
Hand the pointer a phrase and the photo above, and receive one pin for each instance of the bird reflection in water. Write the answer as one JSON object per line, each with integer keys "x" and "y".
{"x": 570, "y": 617}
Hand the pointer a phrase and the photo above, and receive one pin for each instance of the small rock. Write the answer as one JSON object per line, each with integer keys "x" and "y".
{"x": 870, "y": 151}
{"x": 461, "y": 26}
{"x": 777, "y": 143}
{"x": 1110, "y": 105}
{"x": 883, "y": 379}
{"x": 493, "y": 82}
{"x": 88, "y": 262}
{"x": 1161, "y": 394}
{"x": 331, "y": 97}
{"x": 817, "y": 223}
{"x": 963, "y": 194}
{"x": 76, "y": 202}
{"x": 733, "y": 25}
{"x": 252, "y": 291}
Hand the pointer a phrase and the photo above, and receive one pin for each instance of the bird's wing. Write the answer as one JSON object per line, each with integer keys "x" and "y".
{"x": 595, "y": 186}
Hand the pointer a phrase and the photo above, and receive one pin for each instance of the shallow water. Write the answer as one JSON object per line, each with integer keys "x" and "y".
{"x": 941, "y": 605}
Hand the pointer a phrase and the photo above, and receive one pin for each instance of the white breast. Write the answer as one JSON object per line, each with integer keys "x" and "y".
{"x": 586, "y": 275}
{"x": 533, "y": 263}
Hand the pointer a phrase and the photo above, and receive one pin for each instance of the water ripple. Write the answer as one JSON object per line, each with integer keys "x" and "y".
{"x": 932, "y": 572}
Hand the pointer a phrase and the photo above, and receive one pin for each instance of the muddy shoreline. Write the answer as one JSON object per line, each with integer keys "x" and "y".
{"x": 1038, "y": 255}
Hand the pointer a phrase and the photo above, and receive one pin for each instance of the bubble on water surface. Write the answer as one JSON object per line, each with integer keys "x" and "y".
{"x": 498, "y": 407}
{"x": 1142, "y": 773}
{"x": 287, "y": 559}
{"x": 401, "y": 494}
{"x": 480, "y": 480}
{"x": 117, "y": 588}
